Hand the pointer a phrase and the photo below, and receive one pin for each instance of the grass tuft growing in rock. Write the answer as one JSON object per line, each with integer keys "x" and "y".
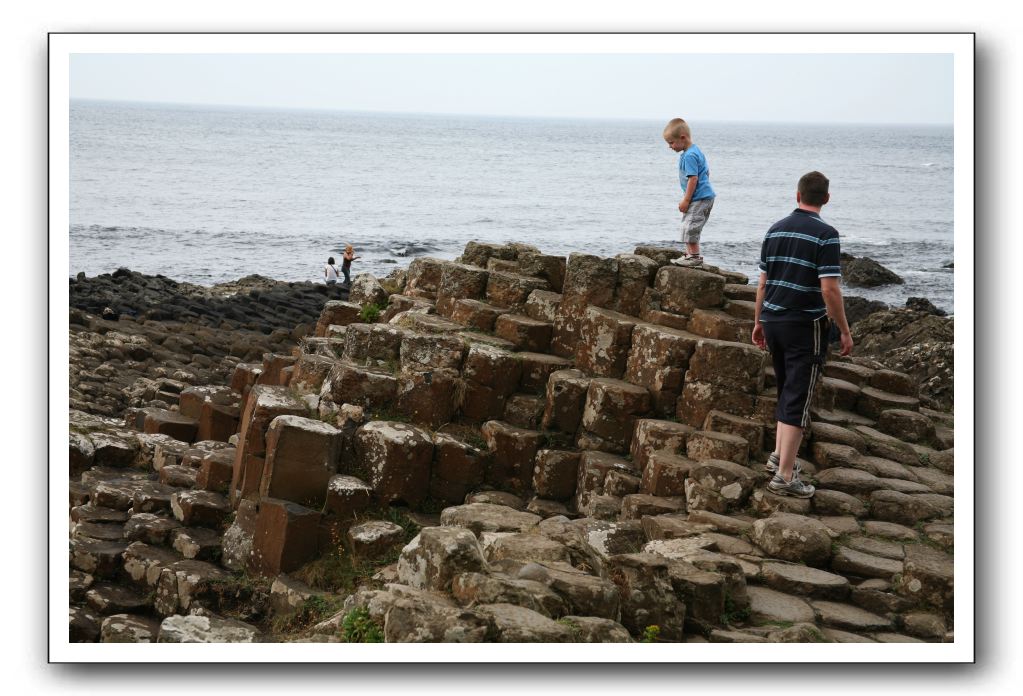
{"x": 732, "y": 614}
{"x": 573, "y": 627}
{"x": 316, "y": 609}
{"x": 371, "y": 312}
{"x": 358, "y": 627}
{"x": 651, "y": 634}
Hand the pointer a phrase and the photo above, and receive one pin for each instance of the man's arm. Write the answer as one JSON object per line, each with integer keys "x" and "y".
{"x": 758, "y": 329}
{"x": 690, "y": 190}
{"x": 831, "y": 289}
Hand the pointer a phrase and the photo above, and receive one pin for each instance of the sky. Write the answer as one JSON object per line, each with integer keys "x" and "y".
{"x": 814, "y": 88}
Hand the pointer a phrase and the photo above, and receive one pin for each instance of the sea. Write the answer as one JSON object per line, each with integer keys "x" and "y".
{"x": 209, "y": 194}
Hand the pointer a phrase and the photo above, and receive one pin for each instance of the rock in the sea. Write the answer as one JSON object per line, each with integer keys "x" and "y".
{"x": 922, "y": 304}
{"x": 865, "y": 272}
{"x": 857, "y": 308}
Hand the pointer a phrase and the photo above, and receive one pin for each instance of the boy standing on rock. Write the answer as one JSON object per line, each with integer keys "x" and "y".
{"x": 799, "y": 290}
{"x": 698, "y": 196}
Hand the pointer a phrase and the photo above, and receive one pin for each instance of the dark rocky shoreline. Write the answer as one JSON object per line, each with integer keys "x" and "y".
{"x": 138, "y": 340}
{"x": 200, "y": 333}
{"x": 253, "y": 302}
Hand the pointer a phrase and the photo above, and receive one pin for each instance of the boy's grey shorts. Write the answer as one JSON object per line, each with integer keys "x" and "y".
{"x": 694, "y": 219}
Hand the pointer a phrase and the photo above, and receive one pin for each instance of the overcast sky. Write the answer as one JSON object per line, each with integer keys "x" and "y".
{"x": 851, "y": 88}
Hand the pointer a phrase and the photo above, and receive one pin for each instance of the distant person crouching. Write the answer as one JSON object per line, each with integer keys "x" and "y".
{"x": 346, "y": 264}
{"x": 330, "y": 273}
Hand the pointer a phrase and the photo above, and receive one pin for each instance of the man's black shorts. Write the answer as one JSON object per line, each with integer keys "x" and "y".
{"x": 798, "y": 349}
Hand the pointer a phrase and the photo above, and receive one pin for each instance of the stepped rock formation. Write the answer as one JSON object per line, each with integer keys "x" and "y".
{"x": 522, "y": 448}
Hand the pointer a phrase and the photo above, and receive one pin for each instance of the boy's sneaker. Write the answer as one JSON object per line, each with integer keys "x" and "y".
{"x": 794, "y": 488}
{"x": 772, "y": 465}
{"x": 689, "y": 260}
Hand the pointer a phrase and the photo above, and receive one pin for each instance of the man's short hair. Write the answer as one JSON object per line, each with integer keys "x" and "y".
{"x": 676, "y": 127}
{"x": 813, "y": 188}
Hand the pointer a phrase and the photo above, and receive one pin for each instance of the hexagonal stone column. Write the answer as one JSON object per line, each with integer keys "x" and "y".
{"x": 634, "y": 277}
{"x": 543, "y": 305}
{"x": 457, "y": 282}
{"x": 665, "y": 474}
{"x": 491, "y": 376}
{"x": 302, "y": 455}
{"x": 658, "y": 360}
{"x": 647, "y": 596}
{"x": 565, "y": 400}
{"x": 431, "y": 351}
{"x": 264, "y": 403}
{"x": 158, "y": 420}
{"x": 928, "y": 576}
{"x": 458, "y": 467}
{"x": 206, "y": 629}
{"x": 718, "y": 486}
{"x": 200, "y": 508}
{"x": 511, "y": 290}
{"x": 512, "y": 451}
{"x": 700, "y": 398}
{"x": 604, "y": 342}
{"x": 374, "y": 539}
{"x": 793, "y": 538}
{"x": 371, "y": 388}
{"x": 707, "y": 444}
{"x": 523, "y": 332}
{"x": 589, "y": 280}
{"x": 424, "y": 275}
{"x": 310, "y": 371}
{"x": 612, "y": 408}
{"x": 685, "y": 289}
{"x": 339, "y": 313}
{"x": 550, "y": 268}
{"x": 651, "y": 435}
{"x": 713, "y": 323}
{"x": 555, "y": 474}
{"x": 437, "y": 555}
{"x": 285, "y": 537}
{"x": 427, "y": 397}
{"x": 476, "y": 314}
{"x": 396, "y": 458}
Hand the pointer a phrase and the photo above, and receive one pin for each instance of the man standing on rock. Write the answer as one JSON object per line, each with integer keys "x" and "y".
{"x": 799, "y": 300}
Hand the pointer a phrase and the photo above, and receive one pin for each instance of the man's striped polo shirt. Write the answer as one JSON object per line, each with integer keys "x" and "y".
{"x": 797, "y": 252}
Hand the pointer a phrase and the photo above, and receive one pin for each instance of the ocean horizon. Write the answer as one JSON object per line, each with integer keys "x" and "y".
{"x": 211, "y": 193}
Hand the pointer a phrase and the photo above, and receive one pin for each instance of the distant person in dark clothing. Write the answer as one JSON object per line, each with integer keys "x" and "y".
{"x": 799, "y": 300}
{"x": 330, "y": 273}
{"x": 346, "y": 264}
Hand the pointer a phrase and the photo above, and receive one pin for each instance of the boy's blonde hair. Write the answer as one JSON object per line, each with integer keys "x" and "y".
{"x": 348, "y": 247}
{"x": 677, "y": 127}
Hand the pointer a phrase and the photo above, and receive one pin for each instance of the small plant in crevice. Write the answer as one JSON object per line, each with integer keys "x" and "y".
{"x": 733, "y": 614}
{"x": 370, "y": 313}
{"x": 573, "y": 627}
{"x": 651, "y": 634}
{"x": 316, "y": 609}
{"x": 358, "y": 627}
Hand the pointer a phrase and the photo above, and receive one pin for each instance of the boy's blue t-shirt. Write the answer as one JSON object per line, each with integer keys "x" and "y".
{"x": 692, "y": 163}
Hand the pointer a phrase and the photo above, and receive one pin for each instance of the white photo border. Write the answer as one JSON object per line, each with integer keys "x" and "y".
{"x": 960, "y": 45}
